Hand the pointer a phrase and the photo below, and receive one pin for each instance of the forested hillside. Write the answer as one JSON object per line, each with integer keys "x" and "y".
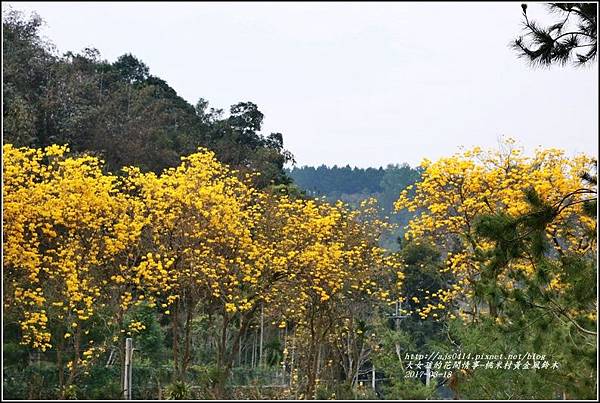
{"x": 120, "y": 111}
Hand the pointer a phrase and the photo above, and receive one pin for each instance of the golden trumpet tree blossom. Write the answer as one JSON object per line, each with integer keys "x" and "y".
{"x": 82, "y": 246}
{"x": 65, "y": 225}
{"x": 456, "y": 190}
{"x": 200, "y": 233}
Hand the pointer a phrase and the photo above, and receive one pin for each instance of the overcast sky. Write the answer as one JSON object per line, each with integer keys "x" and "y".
{"x": 364, "y": 84}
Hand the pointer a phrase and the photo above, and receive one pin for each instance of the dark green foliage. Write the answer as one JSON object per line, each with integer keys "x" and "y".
{"x": 532, "y": 316}
{"x": 130, "y": 69}
{"x": 149, "y": 342}
{"x": 102, "y": 383}
{"x": 324, "y": 180}
{"x": 274, "y": 352}
{"x": 532, "y": 332}
{"x": 422, "y": 278}
{"x": 120, "y": 111}
{"x": 411, "y": 334}
{"x": 410, "y": 389}
{"x": 26, "y": 65}
{"x": 525, "y": 237}
{"x": 395, "y": 179}
{"x": 590, "y": 207}
{"x": 178, "y": 391}
{"x": 572, "y": 37}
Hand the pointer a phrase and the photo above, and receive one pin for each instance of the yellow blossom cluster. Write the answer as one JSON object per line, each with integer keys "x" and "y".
{"x": 64, "y": 225}
{"x": 78, "y": 241}
{"x": 455, "y": 190}
{"x": 326, "y": 253}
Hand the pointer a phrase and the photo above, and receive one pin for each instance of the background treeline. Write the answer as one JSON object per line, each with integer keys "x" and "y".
{"x": 353, "y": 185}
{"x": 323, "y": 180}
{"x": 120, "y": 111}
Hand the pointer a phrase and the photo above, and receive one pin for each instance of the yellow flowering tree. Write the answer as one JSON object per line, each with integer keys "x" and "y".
{"x": 65, "y": 224}
{"x": 199, "y": 241}
{"x": 456, "y": 191}
{"x": 83, "y": 247}
{"x": 332, "y": 259}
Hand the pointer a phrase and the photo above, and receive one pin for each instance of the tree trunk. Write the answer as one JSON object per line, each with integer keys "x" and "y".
{"x": 190, "y": 305}
{"x": 311, "y": 367}
{"x": 493, "y": 309}
{"x": 312, "y": 372}
{"x": 175, "y": 332}
{"x": 262, "y": 328}
{"x": 225, "y": 358}
{"x": 222, "y": 348}
{"x": 75, "y": 366}
{"x": 59, "y": 365}
{"x": 293, "y": 358}
{"x": 252, "y": 362}
{"x": 221, "y": 358}
{"x": 239, "y": 357}
{"x": 121, "y": 350}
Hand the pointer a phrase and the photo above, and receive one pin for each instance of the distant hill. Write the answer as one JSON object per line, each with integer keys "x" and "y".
{"x": 352, "y": 185}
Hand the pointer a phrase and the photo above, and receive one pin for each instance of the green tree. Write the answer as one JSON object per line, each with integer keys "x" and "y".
{"x": 573, "y": 37}
{"x": 537, "y": 314}
{"x": 131, "y": 69}
{"x": 26, "y": 66}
